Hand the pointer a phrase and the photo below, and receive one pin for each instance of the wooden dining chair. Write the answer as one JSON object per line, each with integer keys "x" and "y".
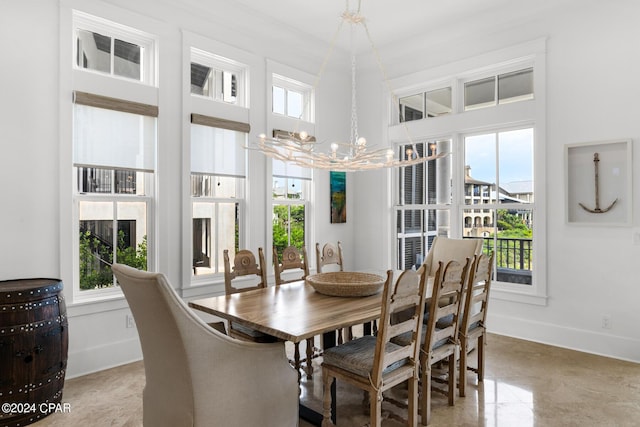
{"x": 244, "y": 266}
{"x": 295, "y": 259}
{"x": 292, "y": 259}
{"x": 331, "y": 256}
{"x": 441, "y": 343}
{"x": 374, "y": 363}
{"x": 474, "y": 316}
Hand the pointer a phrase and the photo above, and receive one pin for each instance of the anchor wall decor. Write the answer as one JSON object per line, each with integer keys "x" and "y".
{"x": 597, "y": 209}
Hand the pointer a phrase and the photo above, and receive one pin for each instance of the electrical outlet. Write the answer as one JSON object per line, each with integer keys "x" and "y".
{"x": 130, "y": 323}
{"x": 606, "y": 322}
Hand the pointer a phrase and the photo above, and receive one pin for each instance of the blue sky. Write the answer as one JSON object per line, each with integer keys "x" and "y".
{"x": 515, "y": 153}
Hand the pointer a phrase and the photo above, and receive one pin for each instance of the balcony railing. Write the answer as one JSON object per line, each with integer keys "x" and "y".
{"x": 513, "y": 258}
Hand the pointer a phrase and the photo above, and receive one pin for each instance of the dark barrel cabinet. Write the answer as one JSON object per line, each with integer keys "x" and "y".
{"x": 33, "y": 349}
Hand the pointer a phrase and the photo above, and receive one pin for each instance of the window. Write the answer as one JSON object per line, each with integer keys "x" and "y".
{"x": 422, "y": 208}
{"x": 505, "y": 88}
{"x": 217, "y": 190}
{"x": 499, "y": 169}
{"x": 109, "y": 48}
{"x": 489, "y": 186}
{"x": 114, "y": 162}
{"x": 113, "y": 144}
{"x": 432, "y": 103}
{"x": 218, "y": 78}
{"x": 292, "y": 99}
{"x": 291, "y": 186}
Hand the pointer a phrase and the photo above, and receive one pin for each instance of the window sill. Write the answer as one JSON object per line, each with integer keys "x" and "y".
{"x": 512, "y": 294}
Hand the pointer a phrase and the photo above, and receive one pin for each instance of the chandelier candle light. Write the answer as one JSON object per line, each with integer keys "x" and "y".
{"x": 302, "y": 150}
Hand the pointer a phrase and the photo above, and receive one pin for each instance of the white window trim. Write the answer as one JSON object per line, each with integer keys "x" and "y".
{"x": 531, "y": 54}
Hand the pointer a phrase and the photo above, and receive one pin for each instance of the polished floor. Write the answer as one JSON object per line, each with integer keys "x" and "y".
{"x": 526, "y": 384}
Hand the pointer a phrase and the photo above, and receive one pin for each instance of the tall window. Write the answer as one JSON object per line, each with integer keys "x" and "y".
{"x": 292, "y": 104}
{"x": 217, "y": 193}
{"x": 114, "y": 144}
{"x": 485, "y": 187}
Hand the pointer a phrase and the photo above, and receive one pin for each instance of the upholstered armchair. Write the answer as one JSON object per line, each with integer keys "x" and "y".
{"x": 197, "y": 376}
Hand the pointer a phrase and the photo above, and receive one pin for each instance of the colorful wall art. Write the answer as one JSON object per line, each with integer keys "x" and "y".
{"x": 338, "y": 191}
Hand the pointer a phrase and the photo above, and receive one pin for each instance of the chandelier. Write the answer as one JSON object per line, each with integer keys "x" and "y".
{"x": 303, "y": 150}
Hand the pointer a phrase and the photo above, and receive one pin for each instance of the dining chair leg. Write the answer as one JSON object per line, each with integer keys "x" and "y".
{"x": 375, "y": 409}
{"x": 425, "y": 398}
{"x": 462, "y": 367}
{"x": 452, "y": 383}
{"x": 327, "y": 381}
{"x": 482, "y": 345}
{"x": 412, "y": 400}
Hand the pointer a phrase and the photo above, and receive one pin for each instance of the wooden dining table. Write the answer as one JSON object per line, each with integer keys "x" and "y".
{"x": 294, "y": 312}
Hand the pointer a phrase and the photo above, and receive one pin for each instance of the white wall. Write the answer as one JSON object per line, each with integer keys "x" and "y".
{"x": 593, "y": 63}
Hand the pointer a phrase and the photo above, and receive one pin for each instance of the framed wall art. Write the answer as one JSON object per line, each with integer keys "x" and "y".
{"x": 338, "y": 191}
{"x": 598, "y": 180}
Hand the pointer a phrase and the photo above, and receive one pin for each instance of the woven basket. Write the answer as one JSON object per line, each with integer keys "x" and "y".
{"x": 346, "y": 283}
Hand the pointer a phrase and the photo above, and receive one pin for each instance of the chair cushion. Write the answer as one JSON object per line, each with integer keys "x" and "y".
{"x": 357, "y": 356}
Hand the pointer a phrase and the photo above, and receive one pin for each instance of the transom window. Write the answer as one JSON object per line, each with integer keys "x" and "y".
{"x": 113, "y": 49}
{"x": 432, "y": 103}
{"x": 218, "y": 78}
{"x": 291, "y": 98}
{"x": 508, "y": 87}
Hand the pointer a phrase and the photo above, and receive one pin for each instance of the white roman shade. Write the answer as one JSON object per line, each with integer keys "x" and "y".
{"x": 111, "y": 133}
{"x": 218, "y": 151}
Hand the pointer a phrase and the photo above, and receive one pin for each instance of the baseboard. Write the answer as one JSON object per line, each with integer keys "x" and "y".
{"x": 601, "y": 344}
{"x": 90, "y": 360}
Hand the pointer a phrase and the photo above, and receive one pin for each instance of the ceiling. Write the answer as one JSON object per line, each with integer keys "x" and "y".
{"x": 392, "y": 21}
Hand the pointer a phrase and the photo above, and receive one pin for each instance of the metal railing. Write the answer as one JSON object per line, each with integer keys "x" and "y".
{"x": 513, "y": 258}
